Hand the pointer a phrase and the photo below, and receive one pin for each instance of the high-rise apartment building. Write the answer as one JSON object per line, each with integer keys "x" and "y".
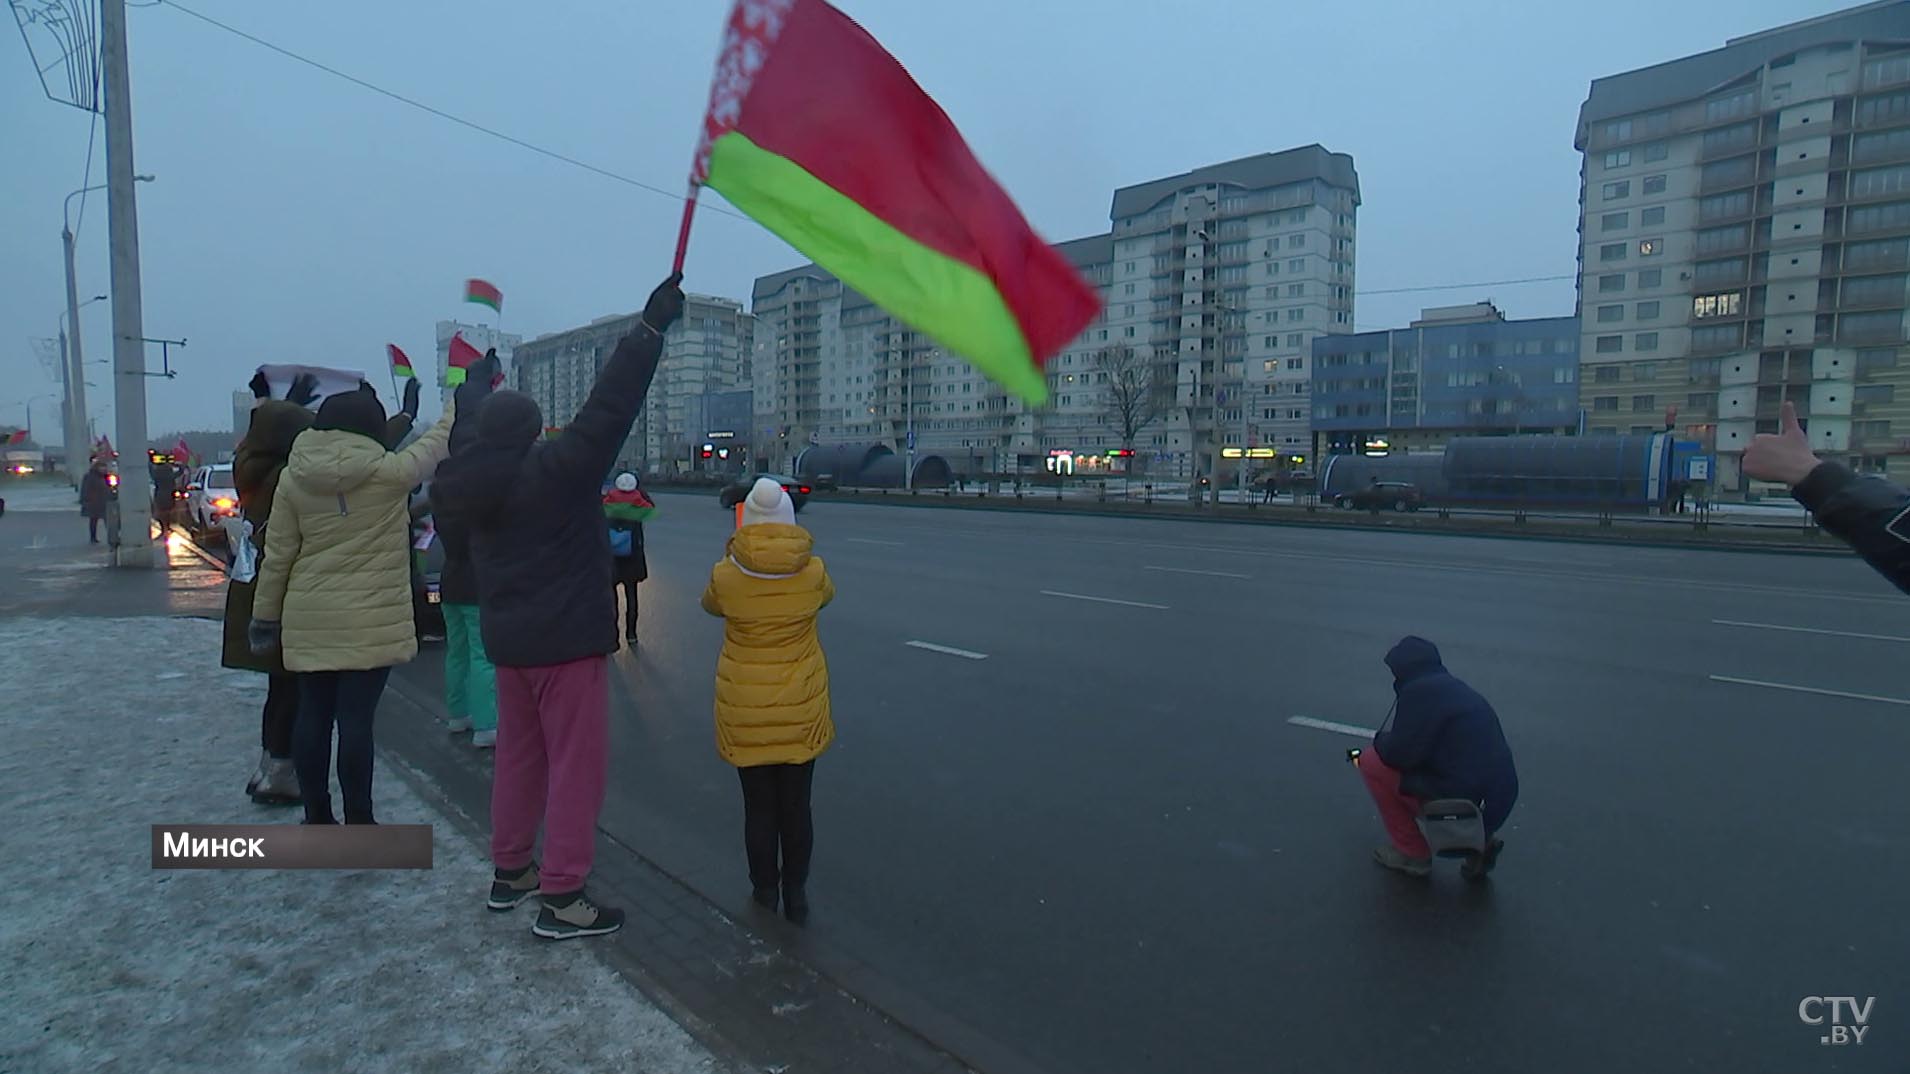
{"x": 1216, "y": 281}
{"x": 1745, "y": 240}
{"x": 705, "y": 352}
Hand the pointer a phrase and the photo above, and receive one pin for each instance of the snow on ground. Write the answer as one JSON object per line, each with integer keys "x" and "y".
{"x": 111, "y": 965}
{"x": 41, "y": 495}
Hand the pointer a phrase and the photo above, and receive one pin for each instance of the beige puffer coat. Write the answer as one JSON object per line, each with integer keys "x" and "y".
{"x": 336, "y": 573}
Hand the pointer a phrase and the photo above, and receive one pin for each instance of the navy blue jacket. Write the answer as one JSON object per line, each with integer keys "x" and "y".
{"x": 1444, "y": 737}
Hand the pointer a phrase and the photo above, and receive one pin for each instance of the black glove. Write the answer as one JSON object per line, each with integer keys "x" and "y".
{"x": 486, "y": 370}
{"x": 262, "y": 636}
{"x": 665, "y": 305}
{"x": 303, "y": 390}
{"x": 410, "y": 408}
{"x": 261, "y": 388}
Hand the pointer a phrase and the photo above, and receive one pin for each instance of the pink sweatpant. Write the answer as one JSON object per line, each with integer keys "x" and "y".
{"x": 553, "y": 727}
{"x": 1398, "y": 812}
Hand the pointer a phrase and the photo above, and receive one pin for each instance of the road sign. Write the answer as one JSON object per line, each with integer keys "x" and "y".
{"x": 1698, "y": 468}
{"x": 911, "y": 439}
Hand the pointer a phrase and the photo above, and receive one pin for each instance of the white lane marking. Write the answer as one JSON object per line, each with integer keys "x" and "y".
{"x": 934, "y": 648}
{"x": 1810, "y": 690}
{"x": 1329, "y": 725}
{"x": 1810, "y": 630}
{"x": 1103, "y": 600}
{"x": 1190, "y": 570}
{"x": 871, "y": 540}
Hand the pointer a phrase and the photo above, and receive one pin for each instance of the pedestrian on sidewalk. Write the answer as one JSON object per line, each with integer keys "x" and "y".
{"x": 1868, "y": 513}
{"x": 334, "y": 587}
{"x": 626, "y": 508}
{"x": 1442, "y": 741}
{"x": 772, "y": 688}
{"x": 95, "y": 490}
{"x": 470, "y": 680}
{"x": 256, "y": 467}
{"x": 532, "y": 507}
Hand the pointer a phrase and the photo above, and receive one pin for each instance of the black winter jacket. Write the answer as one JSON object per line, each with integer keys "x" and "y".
{"x": 535, "y": 519}
{"x": 1444, "y": 738}
{"x": 1870, "y": 515}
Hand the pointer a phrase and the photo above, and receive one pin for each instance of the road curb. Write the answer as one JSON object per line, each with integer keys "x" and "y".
{"x": 1830, "y": 547}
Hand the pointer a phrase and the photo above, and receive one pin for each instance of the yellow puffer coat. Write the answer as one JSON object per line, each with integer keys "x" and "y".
{"x": 337, "y": 573}
{"x": 772, "y": 683}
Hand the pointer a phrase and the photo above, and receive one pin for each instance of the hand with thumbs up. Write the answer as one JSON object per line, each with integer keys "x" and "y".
{"x": 1785, "y": 456}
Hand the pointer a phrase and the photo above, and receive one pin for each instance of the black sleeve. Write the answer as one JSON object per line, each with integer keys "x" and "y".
{"x": 464, "y": 427}
{"x": 587, "y": 448}
{"x": 396, "y": 429}
{"x": 1870, "y": 515}
{"x": 1408, "y": 740}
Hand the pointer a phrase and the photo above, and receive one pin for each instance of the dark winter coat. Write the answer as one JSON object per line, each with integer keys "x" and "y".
{"x": 256, "y": 466}
{"x": 457, "y": 579}
{"x": 532, "y": 509}
{"x": 94, "y": 493}
{"x": 1444, "y": 738}
{"x": 1870, "y": 515}
{"x": 633, "y": 567}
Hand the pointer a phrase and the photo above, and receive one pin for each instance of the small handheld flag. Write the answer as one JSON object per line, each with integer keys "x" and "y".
{"x": 462, "y": 356}
{"x": 484, "y": 293}
{"x": 400, "y": 363}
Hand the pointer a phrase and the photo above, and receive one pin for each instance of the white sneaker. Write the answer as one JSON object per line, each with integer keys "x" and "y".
{"x": 460, "y": 724}
{"x": 484, "y": 740}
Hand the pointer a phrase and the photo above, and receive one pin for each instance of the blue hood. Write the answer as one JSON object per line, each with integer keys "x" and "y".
{"x": 1412, "y": 658}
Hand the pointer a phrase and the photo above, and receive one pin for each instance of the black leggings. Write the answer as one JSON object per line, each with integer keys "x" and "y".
{"x": 776, "y": 809}
{"x": 629, "y": 604}
{"x": 347, "y": 699}
{"x": 280, "y": 715}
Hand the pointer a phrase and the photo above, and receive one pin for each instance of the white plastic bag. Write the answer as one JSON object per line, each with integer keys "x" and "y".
{"x": 245, "y": 554}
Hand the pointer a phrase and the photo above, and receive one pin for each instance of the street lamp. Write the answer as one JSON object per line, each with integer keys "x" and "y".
{"x": 71, "y": 377}
{"x": 1221, "y": 312}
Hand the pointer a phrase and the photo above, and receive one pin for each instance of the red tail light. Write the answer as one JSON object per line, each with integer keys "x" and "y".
{"x": 805, "y": 490}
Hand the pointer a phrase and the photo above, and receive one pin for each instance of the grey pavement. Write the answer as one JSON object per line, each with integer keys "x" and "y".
{"x": 1103, "y": 845}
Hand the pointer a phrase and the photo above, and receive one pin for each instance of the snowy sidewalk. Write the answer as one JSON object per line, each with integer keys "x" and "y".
{"x": 110, "y": 965}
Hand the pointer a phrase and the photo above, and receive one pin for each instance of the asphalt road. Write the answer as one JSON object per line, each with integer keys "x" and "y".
{"x": 1103, "y": 846}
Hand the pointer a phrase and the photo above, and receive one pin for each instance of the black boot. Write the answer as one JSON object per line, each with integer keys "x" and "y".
{"x": 796, "y": 906}
{"x": 765, "y": 898}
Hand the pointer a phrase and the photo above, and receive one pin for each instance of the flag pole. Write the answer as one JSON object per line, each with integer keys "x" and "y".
{"x": 683, "y": 233}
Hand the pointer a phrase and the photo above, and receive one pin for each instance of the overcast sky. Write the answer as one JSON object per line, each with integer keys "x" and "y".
{"x": 297, "y": 217}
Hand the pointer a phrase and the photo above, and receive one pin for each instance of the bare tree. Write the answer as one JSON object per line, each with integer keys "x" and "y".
{"x": 1132, "y": 399}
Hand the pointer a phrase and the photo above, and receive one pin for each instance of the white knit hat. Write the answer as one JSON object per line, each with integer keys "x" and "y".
{"x": 626, "y": 482}
{"x": 767, "y": 502}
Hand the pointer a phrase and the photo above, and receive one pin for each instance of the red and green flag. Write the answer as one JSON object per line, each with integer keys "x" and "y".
{"x": 462, "y": 356}
{"x": 819, "y": 134}
{"x": 484, "y": 293}
{"x": 400, "y": 362}
{"x": 17, "y": 436}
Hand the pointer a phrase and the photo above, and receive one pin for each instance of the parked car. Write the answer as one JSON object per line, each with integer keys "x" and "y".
{"x": 427, "y": 567}
{"x": 1383, "y": 495}
{"x": 733, "y": 493}
{"x": 210, "y": 500}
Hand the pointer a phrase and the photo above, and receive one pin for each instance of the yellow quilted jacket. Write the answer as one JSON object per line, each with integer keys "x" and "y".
{"x": 337, "y": 567}
{"x": 772, "y": 683}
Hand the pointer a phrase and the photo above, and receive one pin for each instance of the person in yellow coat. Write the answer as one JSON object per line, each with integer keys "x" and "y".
{"x": 772, "y": 688}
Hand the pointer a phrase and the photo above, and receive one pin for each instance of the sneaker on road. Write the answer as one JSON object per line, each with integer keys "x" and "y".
{"x": 484, "y": 740}
{"x": 1393, "y": 858}
{"x": 568, "y": 916}
{"x": 459, "y": 724}
{"x": 509, "y": 890}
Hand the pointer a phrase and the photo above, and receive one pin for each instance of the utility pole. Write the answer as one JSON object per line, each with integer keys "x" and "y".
{"x": 73, "y": 369}
{"x": 129, "y": 353}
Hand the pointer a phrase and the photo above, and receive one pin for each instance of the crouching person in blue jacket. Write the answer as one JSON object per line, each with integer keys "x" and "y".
{"x": 1443, "y": 741}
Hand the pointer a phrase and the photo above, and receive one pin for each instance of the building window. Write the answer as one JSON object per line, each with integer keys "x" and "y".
{"x": 1654, "y": 184}
{"x": 1619, "y": 158}
{"x": 1618, "y": 130}
{"x": 1892, "y": 217}
{"x": 1645, "y": 342}
{"x": 1612, "y": 251}
{"x": 1724, "y": 206}
{"x": 1608, "y": 314}
{"x": 1651, "y": 217}
{"x": 1656, "y": 151}
{"x": 1614, "y": 282}
{"x": 1875, "y": 393}
{"x": 1605, "y": 402}
{"x": 1643, "y": 402}
{"x": 1609, "y": 344}
{"x": 1719, "y": 109}
{"x": 1295, "y": 339}
{"x": 1726, "y": 139}
{"x": 1614, "y": 222}
{"x": 1729, "y": 304}
{"x": 1650, "y": 247}
{"x": 1717, "y": 337}
{"x": 1296, "y": 290}
{"x": 1720, "y": 239}
{"x": 1873, "y": 182}
{"x": 1651, "y": 278}
{"x": 1620, "y": 189}
{"x": 1295, "y": 363}
{"x": 1872, "y": 359}
{"x": 1298, "y": 264}
{"x": 1874, "y": 291}
{"x": 1880, "y": 145}
{"x": 1562, "y": 375}
{"x": 1648, "y": 311}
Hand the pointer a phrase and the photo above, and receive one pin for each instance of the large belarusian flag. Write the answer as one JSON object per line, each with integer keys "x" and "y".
{"x": 460, "y": 358}
{"x": 820, "y": 135}
{"x": 484, "y": 293}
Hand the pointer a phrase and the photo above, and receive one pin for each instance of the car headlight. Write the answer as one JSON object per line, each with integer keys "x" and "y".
{"x": 225, "y": 503}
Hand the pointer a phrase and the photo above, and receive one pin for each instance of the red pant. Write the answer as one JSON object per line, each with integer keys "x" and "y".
{"x": 1398, "y": 812}
{"x": 553, "y": 726}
